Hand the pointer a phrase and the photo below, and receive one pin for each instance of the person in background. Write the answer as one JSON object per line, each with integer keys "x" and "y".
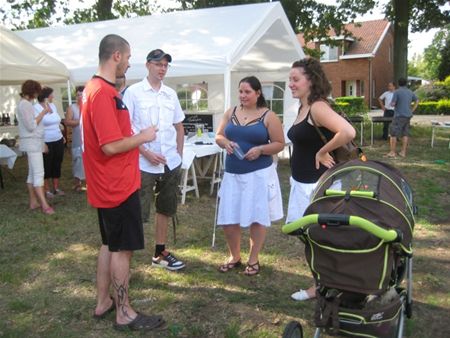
{"x": 388, "y": 109}
{"x": 110, "y": 158}
{"x": 402, "y": 101}
{"x": 151, "y": 103}
{"x": 31, "y": 136}
{"x": 73, "y": 120}
{"x": 121, "y": 85}
{"x": 310, "y": 156}
{"x": 250, "y": 195}
{"x": 55, "y": 143}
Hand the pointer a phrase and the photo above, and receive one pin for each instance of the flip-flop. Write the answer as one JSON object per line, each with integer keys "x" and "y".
{"x": 108, "y": 311}
{"x": 141, "y": 323}
{"x": 252, "y": 269}
{"x": 229, "y": 266}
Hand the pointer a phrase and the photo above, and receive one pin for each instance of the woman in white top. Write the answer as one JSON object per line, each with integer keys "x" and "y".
{"x": 73, "y": 120}
{"x": 31, "y": 133}
{"x": 55, "y": 143}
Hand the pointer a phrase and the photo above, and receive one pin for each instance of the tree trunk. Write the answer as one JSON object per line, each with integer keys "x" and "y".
{"x": 401, "y": 23}
{"x": 104, "y": 9}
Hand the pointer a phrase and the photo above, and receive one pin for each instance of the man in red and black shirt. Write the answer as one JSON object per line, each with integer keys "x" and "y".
{"x": 110, "y": 158}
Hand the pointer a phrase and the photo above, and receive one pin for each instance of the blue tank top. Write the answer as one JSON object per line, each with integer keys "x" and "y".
{"x": 247, "y": 136}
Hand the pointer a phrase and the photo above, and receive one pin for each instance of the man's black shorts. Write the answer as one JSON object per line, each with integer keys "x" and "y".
{"x": 121, "y": 227}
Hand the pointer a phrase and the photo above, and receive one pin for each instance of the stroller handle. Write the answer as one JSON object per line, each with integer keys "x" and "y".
{"x": 296, "y": 227}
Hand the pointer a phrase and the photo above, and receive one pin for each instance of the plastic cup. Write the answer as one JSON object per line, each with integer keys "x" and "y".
{"x": 238, "y": 152}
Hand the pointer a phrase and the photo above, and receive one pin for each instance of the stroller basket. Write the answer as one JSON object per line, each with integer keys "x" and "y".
{"x": 380, "y": 321}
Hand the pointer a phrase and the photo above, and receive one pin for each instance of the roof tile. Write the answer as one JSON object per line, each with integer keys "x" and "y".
{"x": 366, "y": 34}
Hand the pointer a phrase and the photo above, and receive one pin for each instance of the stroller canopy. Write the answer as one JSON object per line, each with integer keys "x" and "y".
{"x": 371, "y": 189}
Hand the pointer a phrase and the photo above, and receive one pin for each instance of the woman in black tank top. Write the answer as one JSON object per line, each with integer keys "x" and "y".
{"x": 310, "y": 156}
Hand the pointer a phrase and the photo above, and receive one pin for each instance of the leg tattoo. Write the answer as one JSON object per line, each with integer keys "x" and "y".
{"x": 122, "y": 295}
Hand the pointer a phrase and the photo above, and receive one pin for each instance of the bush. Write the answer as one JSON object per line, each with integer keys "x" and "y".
{"x": 441, "y": 107}
{"x": 350, "y": 105}
{"x": 434, "y": 91}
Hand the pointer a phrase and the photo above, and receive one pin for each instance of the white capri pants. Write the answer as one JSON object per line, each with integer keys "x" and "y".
{"x": 35, "y": 168}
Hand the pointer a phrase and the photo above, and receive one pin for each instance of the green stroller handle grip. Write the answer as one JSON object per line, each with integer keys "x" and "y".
{"x": 386, "y": 235}
{"x": 357, "y": 193}
{"x": 299, "y": 224}
{"x": 340, "y": 220}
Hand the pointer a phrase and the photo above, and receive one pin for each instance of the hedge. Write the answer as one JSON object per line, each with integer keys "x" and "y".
{"x": 350, "y": 105}
{"x": 441, "y": 107}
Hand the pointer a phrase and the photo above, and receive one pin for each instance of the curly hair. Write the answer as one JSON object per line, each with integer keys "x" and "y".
{"x": 30, "y": 88}
{"x": 256, "y": 86}
{"x": 44, "y": 94}
{"x": 320, "y": 86}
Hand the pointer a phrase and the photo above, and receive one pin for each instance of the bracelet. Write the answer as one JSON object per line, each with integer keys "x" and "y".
{"x": 261, "y": 149}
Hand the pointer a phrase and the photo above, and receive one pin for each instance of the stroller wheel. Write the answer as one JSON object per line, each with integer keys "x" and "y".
{"x": 293, "y": 330}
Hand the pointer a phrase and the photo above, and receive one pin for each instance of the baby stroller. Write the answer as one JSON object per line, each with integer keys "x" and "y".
{"x": 357, "y": 232}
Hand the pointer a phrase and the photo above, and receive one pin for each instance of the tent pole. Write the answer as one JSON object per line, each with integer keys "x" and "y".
{"x": 69, "y": 94}
{"x": 227, "y": 89}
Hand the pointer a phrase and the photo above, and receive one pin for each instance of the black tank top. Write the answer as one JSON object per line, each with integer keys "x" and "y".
{"x": 306, "y": 143}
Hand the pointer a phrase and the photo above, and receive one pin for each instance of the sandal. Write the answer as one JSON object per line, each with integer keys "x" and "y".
{"x": 48, "y": 211}
{"x": 390, "y": 155}
{"x": 252, "y": 269}
{"x": 141, "y": 323}
{"x": 230, "y": 266}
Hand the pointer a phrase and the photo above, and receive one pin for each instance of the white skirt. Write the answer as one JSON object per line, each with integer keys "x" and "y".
{"x": 250, "y": 198}
{"x": 299, "y": 199}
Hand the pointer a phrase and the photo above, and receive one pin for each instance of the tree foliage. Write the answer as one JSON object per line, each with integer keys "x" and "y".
{"x": 19, "y": 14}
{"x": 444, "y": 66}
{"x": 310, "y": 17}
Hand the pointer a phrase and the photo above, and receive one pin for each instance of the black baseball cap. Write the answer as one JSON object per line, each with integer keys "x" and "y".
{"x": 158, "y": 55}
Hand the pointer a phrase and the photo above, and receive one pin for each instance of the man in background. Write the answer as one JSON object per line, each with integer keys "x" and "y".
{"x": 388, "y": 109}
{"x": 403, "y": 112}
{"x": 151, "y": 103}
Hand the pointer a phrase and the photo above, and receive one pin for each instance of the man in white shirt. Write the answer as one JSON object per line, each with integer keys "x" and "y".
{"x": 388, "y": 109}
{"x": 151, "y": 103}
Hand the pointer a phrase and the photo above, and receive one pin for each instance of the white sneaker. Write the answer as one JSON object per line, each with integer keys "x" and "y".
{"x": 301, "y": 295}
{"x": 168, "y": 261}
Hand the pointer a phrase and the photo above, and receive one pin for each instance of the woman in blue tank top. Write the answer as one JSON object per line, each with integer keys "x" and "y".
{"x": 250, "y": 194}
{"x": 310, "y": 156}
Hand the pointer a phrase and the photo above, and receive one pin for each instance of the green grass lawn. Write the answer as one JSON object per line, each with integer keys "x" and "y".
{"x": 48, "y": 263}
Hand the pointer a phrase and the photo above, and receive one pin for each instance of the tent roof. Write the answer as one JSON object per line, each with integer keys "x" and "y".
{"x": 20, "y": 61}
{"x": 250, "y": 38}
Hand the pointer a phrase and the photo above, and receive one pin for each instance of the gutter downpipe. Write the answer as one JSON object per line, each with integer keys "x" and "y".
{"x": 370, "y": 83}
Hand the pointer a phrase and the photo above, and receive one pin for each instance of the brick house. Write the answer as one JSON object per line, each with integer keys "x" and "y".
{"x": 361, "y": 65}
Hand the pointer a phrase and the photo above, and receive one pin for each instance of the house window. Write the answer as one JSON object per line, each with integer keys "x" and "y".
{"x": 274, "y": 93}
{"x": 361, "y": 88}
{"x": 193, "y": 97}
{"x": 328, "y": 53}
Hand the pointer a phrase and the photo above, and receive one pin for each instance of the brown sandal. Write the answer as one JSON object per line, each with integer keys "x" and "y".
{"x": 229, "y": 266}
{"x": 252, "y": 269}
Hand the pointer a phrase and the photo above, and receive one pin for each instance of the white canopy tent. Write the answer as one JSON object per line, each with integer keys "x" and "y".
{"x": 217, "y": 46}
{"x": 21, "y": 61}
